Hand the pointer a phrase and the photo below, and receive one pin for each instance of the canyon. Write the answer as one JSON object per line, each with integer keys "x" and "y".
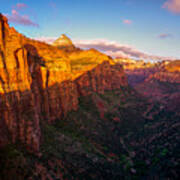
{"x": 156, "y": 81}
{"x": 41, "y": 82}
{"x": 69, "y": 113}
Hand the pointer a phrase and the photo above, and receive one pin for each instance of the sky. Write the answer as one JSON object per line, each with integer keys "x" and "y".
{"x": 148, "y": 29}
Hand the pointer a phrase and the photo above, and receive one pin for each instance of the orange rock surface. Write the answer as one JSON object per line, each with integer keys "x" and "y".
{"x": 40, "y": 82}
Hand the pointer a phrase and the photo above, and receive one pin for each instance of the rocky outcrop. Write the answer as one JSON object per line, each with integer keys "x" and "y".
{"x": 63, "y": 42}
{"x": 164, "y": 76}
{"x": 41, "y": 83}
{"x": 103, "y": 77}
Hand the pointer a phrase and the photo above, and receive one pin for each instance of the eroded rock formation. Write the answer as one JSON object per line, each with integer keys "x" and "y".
{"x": 39, "y": 82}
{"x": 159, "y": 82}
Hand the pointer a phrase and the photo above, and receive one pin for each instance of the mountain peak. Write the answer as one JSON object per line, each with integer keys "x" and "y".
{"x": 63, "y": 41}
{"x": 64, "y": 36}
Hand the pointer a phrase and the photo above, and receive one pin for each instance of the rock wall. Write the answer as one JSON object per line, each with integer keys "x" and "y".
{"x": 37, "y": 84}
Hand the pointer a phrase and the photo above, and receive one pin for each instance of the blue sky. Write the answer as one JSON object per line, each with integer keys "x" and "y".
{"x": 150, "y": 26}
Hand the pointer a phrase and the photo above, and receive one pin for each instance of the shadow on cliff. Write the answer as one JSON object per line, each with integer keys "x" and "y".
{"x": 19, "y": 110}
{"x": 28, "y": 109}
{"x": 34, "y": 65}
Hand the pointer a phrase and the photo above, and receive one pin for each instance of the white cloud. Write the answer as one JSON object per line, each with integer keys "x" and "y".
{"x": 111, "y": 48}
{"x": 115, "y": 49}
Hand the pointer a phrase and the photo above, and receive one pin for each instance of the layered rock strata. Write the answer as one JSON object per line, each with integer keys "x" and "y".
{"x": 41, "y": 83}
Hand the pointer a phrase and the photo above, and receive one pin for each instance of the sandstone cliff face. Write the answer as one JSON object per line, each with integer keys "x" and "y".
{"x": 103, "y": 77}
{"x": 39, "y": 82}
{"x": 165, "y": 76}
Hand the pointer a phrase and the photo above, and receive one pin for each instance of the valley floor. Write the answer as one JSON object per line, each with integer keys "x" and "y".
{"x": 117, "y": 135}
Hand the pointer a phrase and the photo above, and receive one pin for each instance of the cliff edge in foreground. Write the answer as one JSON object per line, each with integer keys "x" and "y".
{"x": 40, "y": 82}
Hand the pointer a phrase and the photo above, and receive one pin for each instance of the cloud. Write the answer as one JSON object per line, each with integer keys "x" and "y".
{"x": 172, "y": 6}
{"x": 127, "y": 21}
{"x": 16, "y": 18}
{"x": 111, "y": 48}
{"x": 115, "y": 54}
{"x": 165, "y": 36}
{"x": 115, "y": 49}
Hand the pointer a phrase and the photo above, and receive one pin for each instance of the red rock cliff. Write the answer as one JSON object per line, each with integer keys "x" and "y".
{"x": 39, "y": 82}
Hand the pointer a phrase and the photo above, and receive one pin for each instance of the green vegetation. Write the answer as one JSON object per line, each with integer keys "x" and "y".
{"x": 88, "y": 146}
